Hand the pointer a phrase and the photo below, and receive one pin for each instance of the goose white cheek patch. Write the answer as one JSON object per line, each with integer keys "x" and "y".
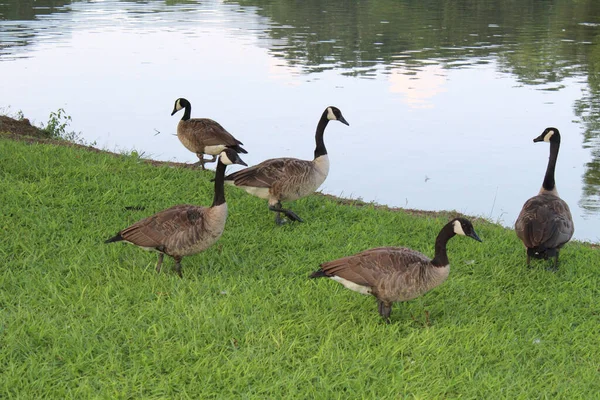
{"x": 330, "y": 115}
{"x": 548, "y": 136}
{"x": 225, "y": 160}
{"x": 458, "y": 229}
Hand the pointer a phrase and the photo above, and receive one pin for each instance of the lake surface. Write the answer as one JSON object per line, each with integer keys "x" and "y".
{"x": 443, "y": 97}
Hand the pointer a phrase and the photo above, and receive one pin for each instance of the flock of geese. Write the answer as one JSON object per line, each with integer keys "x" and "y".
{"x": 390, "y": 274}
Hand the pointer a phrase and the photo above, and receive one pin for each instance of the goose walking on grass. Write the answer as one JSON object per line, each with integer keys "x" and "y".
{"x": 545, "y": 223}
{"x": 185, "y": 229}
{"x": 287, "y": 179}
{"x": 203, "y": 135}
{"x": 394, "y": 274}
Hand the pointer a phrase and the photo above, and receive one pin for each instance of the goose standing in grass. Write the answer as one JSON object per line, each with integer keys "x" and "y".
{"x": 185, "y": 229}
{"x": 393, "y": 274}
{"x": 203, "y": 135}
{"x": 287, "y": 179}
{"x": 545, "y": 223}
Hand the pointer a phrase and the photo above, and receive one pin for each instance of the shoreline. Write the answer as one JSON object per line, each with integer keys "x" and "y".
{"x": 23, "y": 131}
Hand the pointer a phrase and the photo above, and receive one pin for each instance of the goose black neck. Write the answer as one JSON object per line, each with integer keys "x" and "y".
{"x": 549, "y": 182}
{"x": 219, "y": 184}
{"x": 187, "y": 113}
{"x": 320, "y": 149}
{"x": 441, "y": 256}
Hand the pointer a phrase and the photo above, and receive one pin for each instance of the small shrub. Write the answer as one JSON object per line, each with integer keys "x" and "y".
{"x": 56, "y": 128}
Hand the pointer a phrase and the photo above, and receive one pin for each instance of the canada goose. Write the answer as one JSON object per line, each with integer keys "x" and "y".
{"x": 287, "y": 179}
{"x": 393, "y": 274}
{"x": 545, "y": 223}
{"x": 203, "y": 135}
{"x": 184, "y": 229}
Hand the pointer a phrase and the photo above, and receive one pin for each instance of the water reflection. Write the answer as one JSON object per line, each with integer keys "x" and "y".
{"x": 417, "y": 48}
{"x": 25, "y": 10}
{"x": 540, "y": 42}
{"x": 20, "y": 34}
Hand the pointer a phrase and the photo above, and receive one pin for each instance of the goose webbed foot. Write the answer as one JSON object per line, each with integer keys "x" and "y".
{"x": 292, "y": 216}
{"x": 177, "y": 266}
{"x": 385, "y": 310}
{"x": 278, "y": 220}
{"x": 161, "y": 256}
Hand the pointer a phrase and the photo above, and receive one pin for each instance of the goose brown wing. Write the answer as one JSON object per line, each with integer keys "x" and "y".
{"x": 562, "y": 227}
{"x": 211, "y": 132}
{"x": 167, "y": 228}
{"x": 269, "y": 172}
{"x": 544, "y": 221}
{"x": 369, "y": 267}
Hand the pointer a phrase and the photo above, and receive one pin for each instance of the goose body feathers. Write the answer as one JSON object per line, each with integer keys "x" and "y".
{"x": 283, "y": 179}
{"x": 389, "y": 273}
{"x": 181, "y": 230}
{"x": 184, "y": 229}
{"x": 203, "y": 135}
{"x": 287, "y": 179}
{"x": 545, "y": 223}
{"x": 395, "y": 274}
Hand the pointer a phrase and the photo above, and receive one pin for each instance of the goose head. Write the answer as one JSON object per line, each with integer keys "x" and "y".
{"x": 180, "y": 104}
{"x": 230, "y": 156}
{"x": 334, "y": 114}
{"x": 549, "y": 135}
{"x": 462, "y": 226}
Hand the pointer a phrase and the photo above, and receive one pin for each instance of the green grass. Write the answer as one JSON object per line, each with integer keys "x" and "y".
{"x": 81, "y": 319}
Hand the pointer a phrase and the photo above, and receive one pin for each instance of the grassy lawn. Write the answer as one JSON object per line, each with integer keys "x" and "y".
{"x": 81, "y": 319}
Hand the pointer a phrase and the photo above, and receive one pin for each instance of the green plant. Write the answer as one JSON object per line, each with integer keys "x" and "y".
{"x": 57, "y": 125}
{"x": 18, "y": 115}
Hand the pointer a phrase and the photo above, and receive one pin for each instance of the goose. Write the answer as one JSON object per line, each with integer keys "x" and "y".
{"x": 184, "y": 229}
{"x": 203, "y": 135}
{"x": 394, "y": 274}
{"x": 287, "y": 179}
{"x": 545, "y": 224}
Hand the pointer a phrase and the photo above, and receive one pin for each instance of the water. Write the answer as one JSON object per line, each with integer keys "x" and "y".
{"x": 443, "y": 97}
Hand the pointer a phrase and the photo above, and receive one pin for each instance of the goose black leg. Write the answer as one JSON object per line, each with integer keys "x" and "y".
{"x": 384, "y": 310}
{"x": 278, "y": 219}
{"x": 161, "y": 256}
{"x": 201, "y": 162}
{"x": 213, "y": 159}
{"x": 554, "y": 267}
{"x": 528, "y": 261}
{"x": 288, "y": 213}
{"x": 177, "y": 267}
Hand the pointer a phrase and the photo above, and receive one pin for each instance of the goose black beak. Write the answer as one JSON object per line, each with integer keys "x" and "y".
{"x": 174, "y": 111}
{"x": 539, "y": 139}
{"x": 343, "y": 120}
{"x": 473, "y": 235}
{"x": 240, "y": 162}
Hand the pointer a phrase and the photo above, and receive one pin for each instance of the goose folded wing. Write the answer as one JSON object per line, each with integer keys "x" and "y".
{"x": 562, "y": 227}
{"x": 544, "y": 224}
{"x": 165, "y": 228}
{"x": 268, "y": 172}
{"x": 532, "y": 225}
{"x": 212, "y": 133}
{"x": 370, "y": 267}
